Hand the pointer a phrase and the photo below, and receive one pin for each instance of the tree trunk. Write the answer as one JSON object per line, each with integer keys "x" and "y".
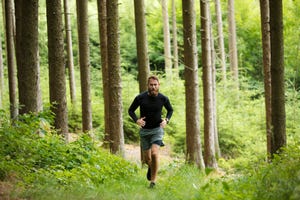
{"x": 28, "y": 56}
{"x": 221, "y": 39}
{"x": 1, "y": 75}
{"x": 209, "y": 140}
{"x": 142, "y": 48}
{"x": 266, "y": 46}
{"x": 115, "y": 85}
{"x": 10, "y": 54}
{"x": 70, "y": 61}
{"x": 57, "y": 81}
{"x": 277, "y": 77}
{"x": 141, "y": 44}
{"x": 84, "y": 55}
{"x": 193, "y": 143}
{"x": 214, "y": 89}
{"x": 233, "y": 57}
{"x": 175, "y": 45}
{"x": 9, "y": 23}
{"x": 167, "y": 45}
{"x": 104, "y": 66}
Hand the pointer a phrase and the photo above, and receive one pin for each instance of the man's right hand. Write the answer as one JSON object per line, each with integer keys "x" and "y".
{"x": 141, "y": 122}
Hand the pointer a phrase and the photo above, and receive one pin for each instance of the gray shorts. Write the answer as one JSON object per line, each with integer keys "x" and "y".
{"x": 151, "y": 136}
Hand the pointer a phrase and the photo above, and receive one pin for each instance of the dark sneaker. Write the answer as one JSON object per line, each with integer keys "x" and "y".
{"x": 149, "y": 174}
{"x": 152, "y": 185}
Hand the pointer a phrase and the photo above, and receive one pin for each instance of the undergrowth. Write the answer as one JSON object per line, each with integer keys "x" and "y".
{"x": 41, "y": 165}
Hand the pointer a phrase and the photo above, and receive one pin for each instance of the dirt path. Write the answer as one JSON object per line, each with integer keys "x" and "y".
{"x": 133, "y": 154}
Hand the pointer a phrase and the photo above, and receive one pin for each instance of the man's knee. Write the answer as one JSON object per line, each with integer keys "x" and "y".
{"x": 154, "y": 154}
{"x": 147, "y": 157}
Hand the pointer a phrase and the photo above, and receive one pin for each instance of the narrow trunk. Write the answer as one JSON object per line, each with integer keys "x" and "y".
{"x": 209, "y": 139}
{"x": 115, "y": 85}
{"x": 193, "y": 143}
{"x": 84, "y": 61}
{"x": 175, "y": 45}
{"x": 10, "y": 54}
{"x": 233, "y": 57}
{"x": 265, "y": 30}
{"x": 102, "y": 18}
{"x": 70, "y": 62}
{"x": 167, "y": 43}
{"x": 57, "y": 82}
{"x": 221, "y": 39}
{"x": 141, "y": 44}
{"x": 277, "y": 79}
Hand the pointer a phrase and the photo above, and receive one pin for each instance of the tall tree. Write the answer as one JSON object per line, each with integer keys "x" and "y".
{"x": 141, "y": 44}
{"x": 221, "y": 39}
{"x": 70, "y": 61}
{"x": 115, "y": 85}
{"x": 57, "y": 81}
{"x": 142, "y": 48}
{"x": 1, "y": 75}
{"x": 214, "y": 87}
{"x": 28, "y": 56}
{"x": 209, "y": 139}
{"x": 10, "y": 54}
{"x": 84, "y": 61}
{"x": 193, "y": 143}
{"x": 102, "y": 18}
{"x": 233, "y": 57}
{"x": 266, "y": 46}
{"x": 167, "y": 42}
{"x": 175, "y": 44}
{"x": 277, "y": 77}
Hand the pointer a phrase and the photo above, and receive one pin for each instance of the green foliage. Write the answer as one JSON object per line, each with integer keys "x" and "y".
{"x": 278, "y": 179}
{"x": 46, "y": 167}
{"x": 34, "y": 153}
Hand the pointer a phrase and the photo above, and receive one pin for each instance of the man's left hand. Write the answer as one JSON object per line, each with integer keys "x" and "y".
{"x": 163, "y": 123}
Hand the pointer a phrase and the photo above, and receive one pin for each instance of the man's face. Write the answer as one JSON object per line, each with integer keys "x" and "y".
{"x": 153, "y": 87}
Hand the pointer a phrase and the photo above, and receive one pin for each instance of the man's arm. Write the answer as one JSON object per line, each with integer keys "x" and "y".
{"x": 132, "y": 108}
{"x": 169, "y": 109}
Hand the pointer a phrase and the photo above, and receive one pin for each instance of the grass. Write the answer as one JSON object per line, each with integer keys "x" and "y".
{"x": 173, "y": 183}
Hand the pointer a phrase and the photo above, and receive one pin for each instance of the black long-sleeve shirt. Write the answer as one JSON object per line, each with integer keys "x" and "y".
{"x": 150, "y": 108}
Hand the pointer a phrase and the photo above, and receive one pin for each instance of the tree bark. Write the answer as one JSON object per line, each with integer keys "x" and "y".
{"x": 209, "y": 139}
{"x": 57, "y": 81}
{"x": 84, "y": 55}
{"x": 233, "y": 57}
{"x": 193, "y": 143}
{"x": 221, "y": 39}
{"x": 266, "y": 46}
{"x": 10, "y": 54}
{"x": 115, "y": 85}
{"x": 141, "y": 44}
{"x": 102, "y": 18}
{"x": 142, "y": 48}
{"x": 277, "y": 77}
{"x": 175, "y": 44}
{"x": 28, "y": 56}
{"x": 167, "y": 43}
{"x": 214, "y": 88}
{"x": 1, "y": 75}
{"x": 70, "y": 61}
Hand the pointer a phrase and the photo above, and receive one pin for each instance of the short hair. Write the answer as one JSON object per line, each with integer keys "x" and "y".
{"x": 153, "y": 77}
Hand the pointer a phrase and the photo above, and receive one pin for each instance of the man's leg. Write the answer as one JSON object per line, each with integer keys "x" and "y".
{"x": 151, "y": 159}
{"x": 154, "y": 162}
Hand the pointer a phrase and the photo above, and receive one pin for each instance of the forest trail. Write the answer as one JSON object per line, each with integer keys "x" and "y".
{"x": 133, "y": 154}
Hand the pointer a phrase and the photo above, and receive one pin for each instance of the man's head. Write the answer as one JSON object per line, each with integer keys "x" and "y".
{"x": 153, "y": 85}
